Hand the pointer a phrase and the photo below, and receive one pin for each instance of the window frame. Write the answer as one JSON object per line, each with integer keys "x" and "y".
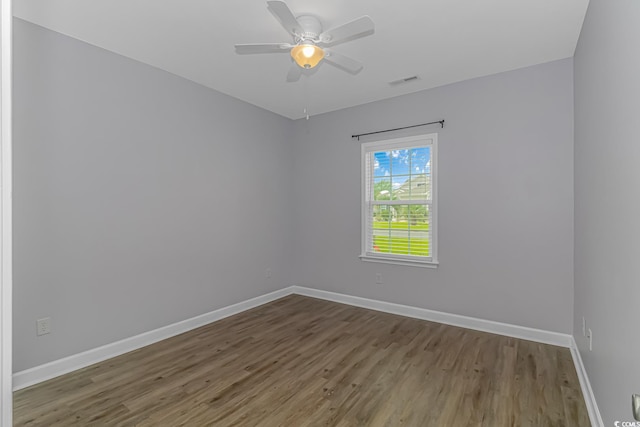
{"x": 430, "y": 140}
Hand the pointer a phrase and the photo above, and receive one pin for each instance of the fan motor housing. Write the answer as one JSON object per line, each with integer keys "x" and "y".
{"x": 311, "y": 25}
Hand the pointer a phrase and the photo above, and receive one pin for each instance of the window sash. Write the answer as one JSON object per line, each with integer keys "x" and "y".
{"x": 390, "y": 240}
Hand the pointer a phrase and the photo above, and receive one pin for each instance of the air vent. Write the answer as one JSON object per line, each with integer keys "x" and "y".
{"x": 403, "y": 81}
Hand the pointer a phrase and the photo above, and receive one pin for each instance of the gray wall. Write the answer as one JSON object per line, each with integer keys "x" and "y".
{"x": 141, "y": 199}
{"x": 505, "y": 199}
{"x": 607, "y": 207}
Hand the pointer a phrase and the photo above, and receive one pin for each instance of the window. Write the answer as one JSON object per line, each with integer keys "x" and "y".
{"x": 399, "y": 201}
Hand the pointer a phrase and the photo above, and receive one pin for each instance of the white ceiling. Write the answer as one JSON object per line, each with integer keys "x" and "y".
{"x": 441, "y": 41}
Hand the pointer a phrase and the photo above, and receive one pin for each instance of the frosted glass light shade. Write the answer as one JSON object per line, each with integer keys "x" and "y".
{"x": 307, "y": 55}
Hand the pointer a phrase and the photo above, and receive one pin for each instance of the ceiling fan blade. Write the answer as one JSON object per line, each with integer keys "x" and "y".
{"x": 352, "y": 30}
{"x": 350, "y": 65}
{"x": 286, "y": 17}
{"x": 248, "y": 49}
{"x": 294, "y": 74}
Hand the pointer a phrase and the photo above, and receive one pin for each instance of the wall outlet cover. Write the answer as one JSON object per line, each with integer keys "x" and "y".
{"x": 43, "y": 326}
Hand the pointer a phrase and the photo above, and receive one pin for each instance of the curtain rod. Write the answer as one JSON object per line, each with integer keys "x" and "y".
{"x": 441, "y": 122}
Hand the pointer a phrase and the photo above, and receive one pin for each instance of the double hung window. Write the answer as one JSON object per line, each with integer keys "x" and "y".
{"x": 399, "y": 214}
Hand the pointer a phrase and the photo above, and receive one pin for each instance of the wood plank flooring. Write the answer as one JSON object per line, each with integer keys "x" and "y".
{"x": 300, "y": 361}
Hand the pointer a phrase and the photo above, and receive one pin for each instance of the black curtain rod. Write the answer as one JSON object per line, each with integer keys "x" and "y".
{"x": 441, "y": 122}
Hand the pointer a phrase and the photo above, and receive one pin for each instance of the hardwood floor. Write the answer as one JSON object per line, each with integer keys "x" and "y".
{"x": 300, "y": 361}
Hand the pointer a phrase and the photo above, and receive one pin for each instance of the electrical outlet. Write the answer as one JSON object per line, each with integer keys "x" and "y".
{"x": 43, "y": 326}
{"x": 590, "y": 336}
{"x": 267, "y": 273}
{"x": 584, "y": 327}
{"x": 379, "y": 278}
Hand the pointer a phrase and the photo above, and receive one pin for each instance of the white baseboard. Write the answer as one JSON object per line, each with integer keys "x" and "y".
{"x": 522, "y": 332}
{"x": 59, "y": 367}
{"x": 585, "y": 385}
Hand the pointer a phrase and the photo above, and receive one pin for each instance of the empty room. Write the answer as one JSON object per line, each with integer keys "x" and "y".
{"x": 299, "y": 213}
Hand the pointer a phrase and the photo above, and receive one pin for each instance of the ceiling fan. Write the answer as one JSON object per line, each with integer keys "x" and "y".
{"x": 310, "y": 44}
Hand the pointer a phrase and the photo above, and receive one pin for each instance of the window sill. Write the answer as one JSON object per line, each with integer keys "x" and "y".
{"x": 397, "y": 261}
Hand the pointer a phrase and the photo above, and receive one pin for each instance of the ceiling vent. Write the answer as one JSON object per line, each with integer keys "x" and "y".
{"x": 404, "y": 80}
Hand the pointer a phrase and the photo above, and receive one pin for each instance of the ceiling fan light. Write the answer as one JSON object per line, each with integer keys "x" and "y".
{"x": 308, "y": 51}
{"x": 307, "y": 55}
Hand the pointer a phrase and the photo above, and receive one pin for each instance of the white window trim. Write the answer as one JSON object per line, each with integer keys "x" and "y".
{"x": 393, "y": 144}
